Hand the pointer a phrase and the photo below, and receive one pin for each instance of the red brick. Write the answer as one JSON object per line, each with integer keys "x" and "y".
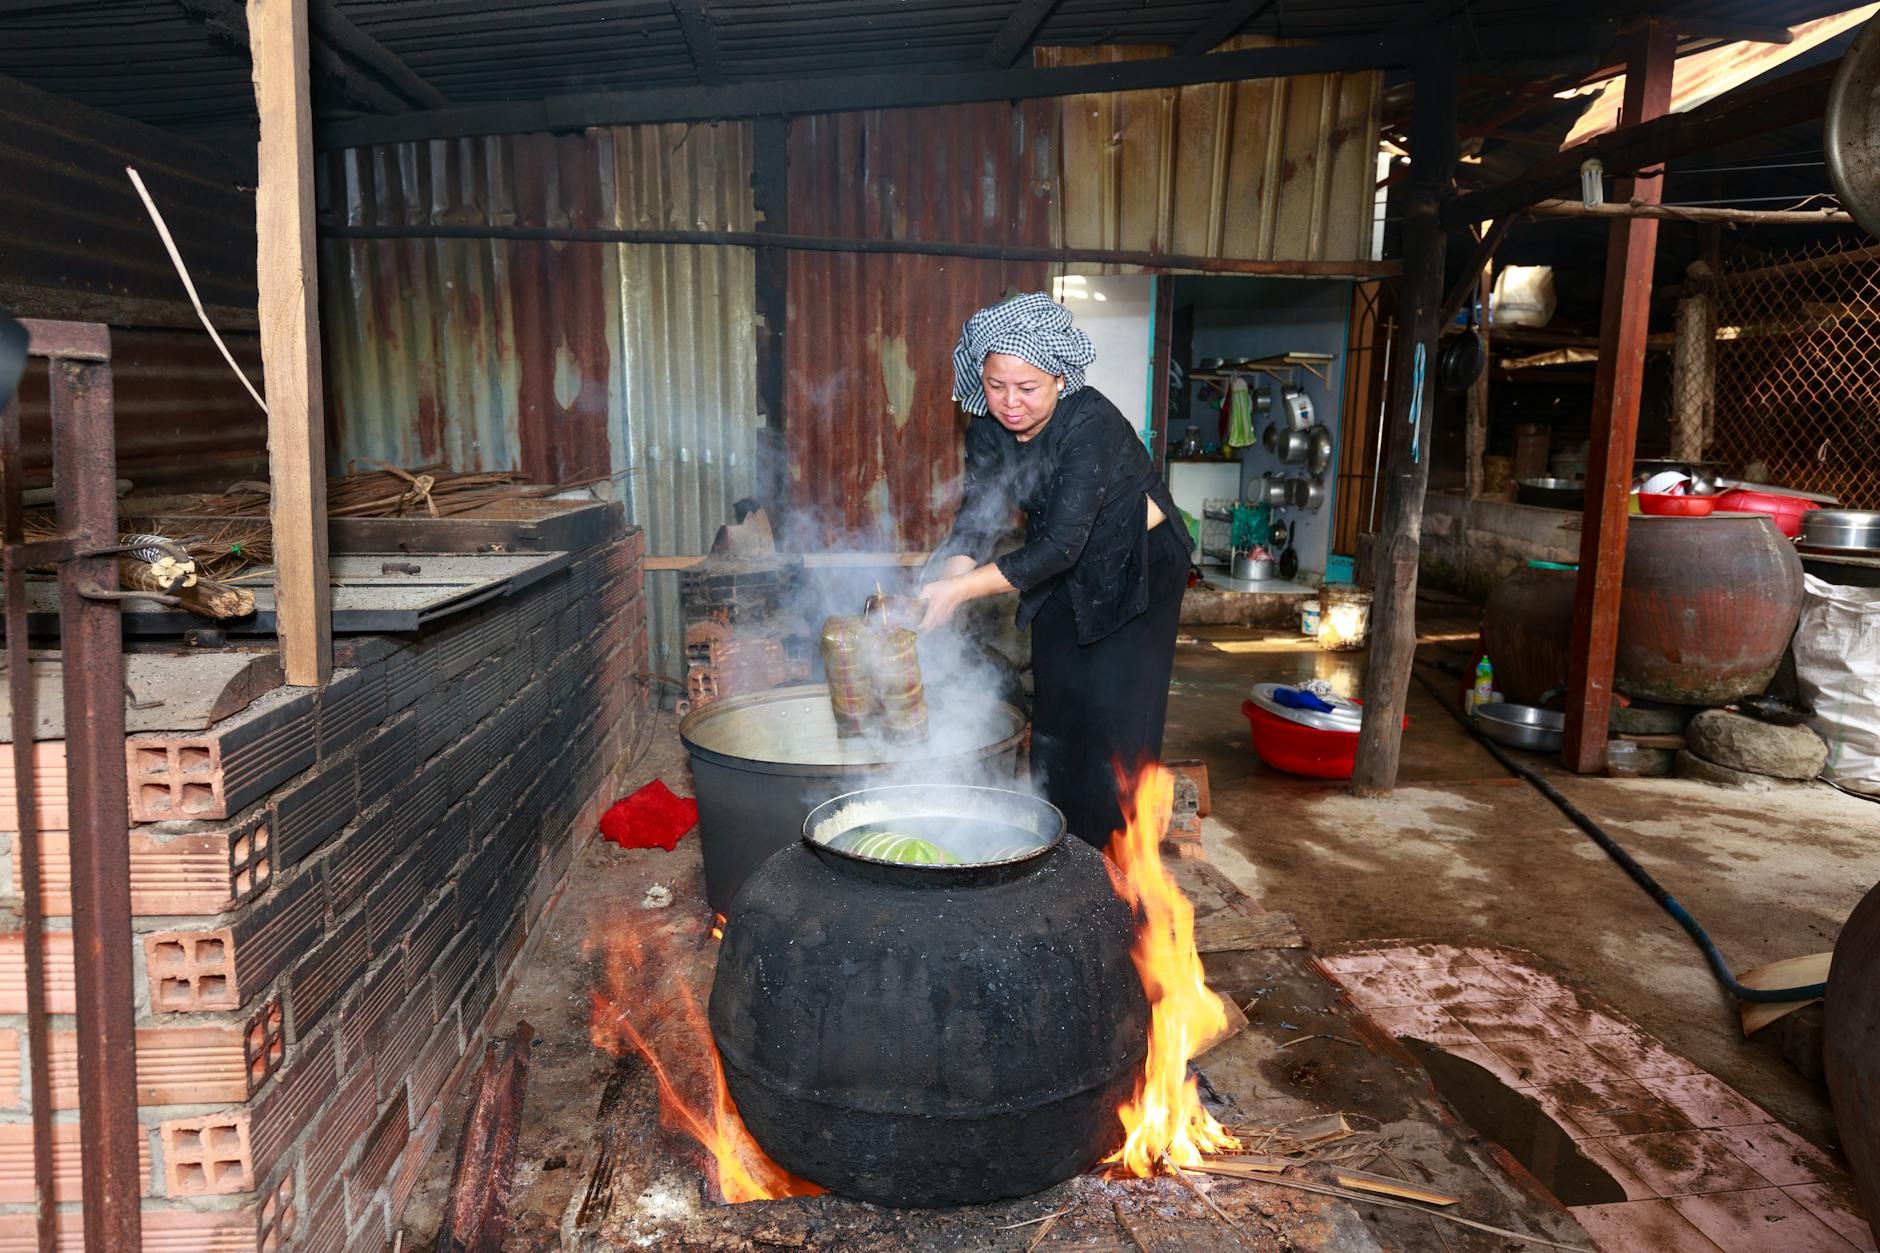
{"x": 208, "y": 1156}
{"x": 274, "y": 1223}
{"x": 340, "y": 1127}
{"x": 395, "y": 1048}
{"x": 49, "y": 784}
{"x": 12, "y": 1093}
{"x": 411, "y": 1166}
{"x": 318, "y": 982}
{"x": 382, "y": 1146}
{"x": 165, "y": 1231}
{"x": 314, "y": 810}
{"x": 221, "y": 771}
{"x": 16, "y": 1162}
{"x": 360, "y": 857}
{"x": 185, "y": 874}
{"x": 434, "y": 1065}
{"x": 175, "y": 1066}
{"x": 326, "y": 1224}
{"x": 436, "y": 929}
{"x": 264, "y": 1043}
{"x": 370, "y": 1006}
{"x": 221, "y": 969}
{"x": 61, "y": 983}
{"x": 285, "y": 1109}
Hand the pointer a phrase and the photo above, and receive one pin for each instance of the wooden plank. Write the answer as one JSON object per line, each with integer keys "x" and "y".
{"x": 335, "y": 29}
{"x": 1015, "y": 36}
{"x": 851, "y": 92}
{"x": 1790, "y": 972}
{"x": 290, "y": 337}
{"x": 1413, "y": 394}
{"x": 1754, "y": 110}
{"x": 1632, "y": 247}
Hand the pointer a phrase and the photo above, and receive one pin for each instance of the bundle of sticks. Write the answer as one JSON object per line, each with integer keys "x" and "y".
{"x": 391, "y": 492}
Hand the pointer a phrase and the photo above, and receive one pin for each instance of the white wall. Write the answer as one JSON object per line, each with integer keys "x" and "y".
{"x": 1115, "y": 310}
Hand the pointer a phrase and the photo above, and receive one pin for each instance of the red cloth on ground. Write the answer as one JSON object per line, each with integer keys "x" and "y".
{"x": 652, "y": 817}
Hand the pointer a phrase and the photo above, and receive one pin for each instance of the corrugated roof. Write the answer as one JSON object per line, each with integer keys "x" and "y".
{"x": 149, "y": 59}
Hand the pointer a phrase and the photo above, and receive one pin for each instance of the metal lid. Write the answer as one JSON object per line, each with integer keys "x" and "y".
{"x": 1343, "y": 716}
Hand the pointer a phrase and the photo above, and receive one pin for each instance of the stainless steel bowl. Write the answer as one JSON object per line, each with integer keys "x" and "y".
{"x": 1522, "y": 726}
{"x": 1841, "y": 530}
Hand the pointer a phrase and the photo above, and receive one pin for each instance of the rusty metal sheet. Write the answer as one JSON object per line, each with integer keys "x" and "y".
{"x": 1276, "y": 168}
{"x": 476, "y": 354}
{"x": 873, "y": 438}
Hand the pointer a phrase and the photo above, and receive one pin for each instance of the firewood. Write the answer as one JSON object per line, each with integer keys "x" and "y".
{"x": 203, "y": 596}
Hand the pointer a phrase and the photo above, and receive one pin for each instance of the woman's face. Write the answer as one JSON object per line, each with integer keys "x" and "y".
{"x": 1018, "y": 393}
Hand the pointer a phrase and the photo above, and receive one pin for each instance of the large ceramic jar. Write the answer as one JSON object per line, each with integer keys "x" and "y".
{"x": 1707, "y": 609}
{"x": 931, "y": 1034}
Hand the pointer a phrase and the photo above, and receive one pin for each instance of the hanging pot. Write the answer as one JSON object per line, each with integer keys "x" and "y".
{"x": 1298, "y": 405}
{"x": 1291, "y": 447}
{"x": 1310, "y": 494}
{"x": 1318, "y": 450}
{"x": 1272, "y": 491}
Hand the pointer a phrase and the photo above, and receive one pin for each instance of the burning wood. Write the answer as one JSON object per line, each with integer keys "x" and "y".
{"x": 638, "y": 1009}
{"x": 1165, "y": 1118}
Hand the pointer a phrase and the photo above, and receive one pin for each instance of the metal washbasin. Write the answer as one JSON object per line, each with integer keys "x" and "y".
{"x": 1522, "y": 726}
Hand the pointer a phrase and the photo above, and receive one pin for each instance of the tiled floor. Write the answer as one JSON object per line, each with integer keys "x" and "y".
{"x": 1704, "y": 1170}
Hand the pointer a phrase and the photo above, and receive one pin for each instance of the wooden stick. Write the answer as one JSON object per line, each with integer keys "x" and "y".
{"x": 1207, "y": 1200}
{"x": 182, "y": 272}
{"x": 1050, "y": 1221}
{"x": 1349, "y": 1194}
{"x": 1689, "y": 213}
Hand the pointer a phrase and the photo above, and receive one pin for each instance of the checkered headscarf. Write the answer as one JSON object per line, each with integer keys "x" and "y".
{"x": 1032, "y": 327}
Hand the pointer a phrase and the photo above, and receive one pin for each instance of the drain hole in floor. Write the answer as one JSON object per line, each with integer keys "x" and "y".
{"x": 1497, "y": 1112}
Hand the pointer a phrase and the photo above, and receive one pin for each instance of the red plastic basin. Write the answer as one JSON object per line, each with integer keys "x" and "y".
{"x": 1668, "y": 506}
{"x": 1785, "y": 511}
{"x": 1286, "y": 745}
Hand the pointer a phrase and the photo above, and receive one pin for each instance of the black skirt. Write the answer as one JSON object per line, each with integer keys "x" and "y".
{"x": 1101, "y": 706}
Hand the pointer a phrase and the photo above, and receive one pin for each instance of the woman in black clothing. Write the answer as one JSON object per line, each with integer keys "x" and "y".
{"x": 1101, "y": 575}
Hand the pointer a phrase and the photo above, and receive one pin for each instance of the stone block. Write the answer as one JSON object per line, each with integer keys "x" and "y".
{"x": 1731, "y": 740}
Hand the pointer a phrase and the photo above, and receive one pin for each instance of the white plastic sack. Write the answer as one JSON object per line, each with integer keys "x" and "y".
{"x": 1837, "y": 663}
{"x": 1524, "y": 295}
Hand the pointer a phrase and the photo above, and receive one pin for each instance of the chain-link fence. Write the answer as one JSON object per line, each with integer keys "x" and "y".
{"x": 1785, "y": 387}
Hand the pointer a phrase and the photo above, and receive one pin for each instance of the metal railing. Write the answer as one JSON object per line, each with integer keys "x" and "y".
{"x": 83, "y": 551}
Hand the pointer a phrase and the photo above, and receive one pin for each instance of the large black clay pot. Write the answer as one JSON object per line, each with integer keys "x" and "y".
{"x": 1850, "y": 1052}
{"x": 931, "y": 1034}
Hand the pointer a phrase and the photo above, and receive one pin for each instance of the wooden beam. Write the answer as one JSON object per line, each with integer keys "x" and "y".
{"x": 290, "y": 337}
{"x": 763, "y": 240}
{"x": 1752, "y": 110}
{"x": 1227, "y": 21}
{"x": 1478, "y": 262}
{"x": 1690, "y": 213}
{"x": 1631, "y": 249}
{"x": 851, "y": 92}
{"x": 1408, "y": 421}
{"x": 1735, "y": 32}
{"x": 336, "y": 30}
{"x": 226, "y": 20}
{"x": 700, "y": 39}
{"x": 1016, "y": 35}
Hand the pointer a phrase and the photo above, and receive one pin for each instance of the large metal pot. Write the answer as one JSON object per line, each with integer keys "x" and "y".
{"x": 1707, "y": 608}
{"x": 761, "y": 762}
{"x": 1852, "y": 531}
{"x": 931, "y": 1034}
{"x": 1850, "y": 1045}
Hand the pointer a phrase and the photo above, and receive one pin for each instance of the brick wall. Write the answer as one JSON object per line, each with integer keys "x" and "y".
{"x": 331, "y": 891}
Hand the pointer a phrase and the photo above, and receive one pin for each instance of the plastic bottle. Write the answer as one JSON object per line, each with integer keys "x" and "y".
{"x": 1484, "y": 684}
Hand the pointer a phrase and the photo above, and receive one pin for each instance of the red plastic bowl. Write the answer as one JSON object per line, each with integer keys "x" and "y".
{"x": 1785, "y": 511}
{"x": 1296, "y": 749}
{"x": 1667, "y": 506}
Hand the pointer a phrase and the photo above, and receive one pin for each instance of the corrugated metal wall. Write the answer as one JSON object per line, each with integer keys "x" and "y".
{"x": 477, "y": 354}
{"x": 687, "y": 316}
{"x": 1263, "y": 169}
{"x": 873, "y": 437}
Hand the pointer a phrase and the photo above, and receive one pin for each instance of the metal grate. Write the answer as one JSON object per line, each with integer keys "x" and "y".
{"x": 1796, "y": 362}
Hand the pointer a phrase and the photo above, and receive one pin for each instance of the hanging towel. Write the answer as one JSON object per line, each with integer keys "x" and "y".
{"x": 1240, "y": 415}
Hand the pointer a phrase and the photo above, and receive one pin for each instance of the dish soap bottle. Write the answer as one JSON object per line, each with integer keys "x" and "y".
{"x": 1484, "y": 692}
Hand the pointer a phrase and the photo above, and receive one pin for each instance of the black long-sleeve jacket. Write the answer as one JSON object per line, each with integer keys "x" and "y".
{"x": 1081, "y": 482}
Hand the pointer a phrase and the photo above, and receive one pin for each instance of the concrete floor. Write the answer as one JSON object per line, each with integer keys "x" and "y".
{"x": 1463, "y": 853}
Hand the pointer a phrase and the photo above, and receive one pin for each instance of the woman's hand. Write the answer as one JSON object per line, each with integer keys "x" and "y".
{"x": 945, "y": 596}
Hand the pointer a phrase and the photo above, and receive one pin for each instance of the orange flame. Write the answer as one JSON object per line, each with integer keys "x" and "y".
{"x": 1165, "y": 1117}
{"x": 660, "y": 1018}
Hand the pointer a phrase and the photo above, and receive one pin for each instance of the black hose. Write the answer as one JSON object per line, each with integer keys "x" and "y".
{"x": 1640, "y": 876}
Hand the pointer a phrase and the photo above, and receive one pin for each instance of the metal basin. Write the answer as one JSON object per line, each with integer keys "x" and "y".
{"x": 1842, "y": 531}
{"x": 1551, "y": 493}
{"x": 1522, "y": 726}
{"x": 761, "y": 762}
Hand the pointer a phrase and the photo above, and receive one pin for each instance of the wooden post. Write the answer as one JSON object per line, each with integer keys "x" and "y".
{"x": 1475, "y": 443}
{"x": 290, "y": 338}
{"x": 1161, "y": 349}
{"x": 1631, "y": 249}
{"x": 1693, "y": 367}
{"x": 1413, "y": 393}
